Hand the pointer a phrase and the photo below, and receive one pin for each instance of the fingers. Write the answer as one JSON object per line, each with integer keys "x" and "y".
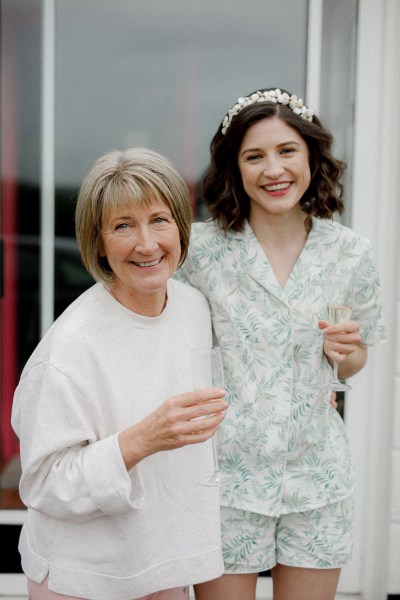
{"x": 338, "y": 352}
{"x": 340, "y": 340}
{"x": 332, "y": 401}
{"x": 202, "y": 429}
{"x": 189, "y": 418}
{"x": 198, "y": 404}
{"x": 200, "y": 395}
{"x": 346, "y": 328}
{"x": 192, "y": 431}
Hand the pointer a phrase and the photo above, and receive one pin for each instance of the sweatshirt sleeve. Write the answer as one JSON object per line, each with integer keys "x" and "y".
{"x": 69, "y": 471}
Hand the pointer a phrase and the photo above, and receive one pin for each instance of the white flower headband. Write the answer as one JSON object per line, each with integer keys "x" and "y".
{"x": 275, "y": 96}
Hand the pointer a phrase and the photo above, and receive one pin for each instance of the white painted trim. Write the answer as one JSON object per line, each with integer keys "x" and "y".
{"x": 375, "y": 214}
{"x": 13, "y": 585}
{"x": 314, "y": 55}
{"x": 47, "y": 169}
{"x": 12, "y": 517}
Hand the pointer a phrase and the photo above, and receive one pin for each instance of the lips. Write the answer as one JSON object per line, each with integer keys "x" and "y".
{"x": 151, "y": 263}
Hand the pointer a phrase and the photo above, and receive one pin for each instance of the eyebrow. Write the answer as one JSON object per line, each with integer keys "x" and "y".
{"x": 159, "y": 211}
{"x": 288, "y": 143}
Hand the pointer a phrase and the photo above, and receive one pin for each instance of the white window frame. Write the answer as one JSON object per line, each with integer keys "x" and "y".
{"x": 375, "y": 212}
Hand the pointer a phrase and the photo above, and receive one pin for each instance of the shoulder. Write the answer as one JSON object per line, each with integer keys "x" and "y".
{"x": 189, "y": 308}
{"x": 206, "y": 229}
{"x": 332, "y": 231}
{"x": 188, "y": 294}
{"x": 84, "y": 311}
{"x": 72, "y": 328}
{"x": 208, "y": 239}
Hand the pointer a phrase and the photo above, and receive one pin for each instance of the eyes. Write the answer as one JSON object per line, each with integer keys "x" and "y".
{"x": 124, "y": 225}
{"x": 127, "y": 225}
{"x": 256, "y": 156}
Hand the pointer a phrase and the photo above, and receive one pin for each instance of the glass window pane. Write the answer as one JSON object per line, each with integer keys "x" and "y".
{"x": 20, "y": 174}
{"x": 157, "y": 74}
{"x": 338, "y": 59}
{"x": 128, "y": 72}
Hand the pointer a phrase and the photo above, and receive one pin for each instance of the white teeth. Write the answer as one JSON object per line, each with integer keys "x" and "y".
{"x": 148, "y": 264}
{"x": 276, "y": 186}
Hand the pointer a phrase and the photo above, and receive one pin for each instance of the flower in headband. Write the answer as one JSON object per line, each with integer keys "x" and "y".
{"x": 275, "y": 96}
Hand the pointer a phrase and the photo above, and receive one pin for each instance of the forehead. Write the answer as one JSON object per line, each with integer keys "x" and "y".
{"x": 272, "y": 130}
{"x": 133, "y": 205}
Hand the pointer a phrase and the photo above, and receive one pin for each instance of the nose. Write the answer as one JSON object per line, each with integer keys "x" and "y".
{"x": 145, "y": 240}
{"x": 273, "y": 167}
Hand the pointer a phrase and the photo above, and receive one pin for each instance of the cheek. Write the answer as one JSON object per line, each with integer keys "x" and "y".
{"x": 176, "y": 250}
{"x": 243, "y": 173}
{"x": 175, "y": 238}
{"x": 304, "y": 168}
{"x": 178, "y": 246}
{"x": 247, "y": 178}
{"x": 115, "y": 248}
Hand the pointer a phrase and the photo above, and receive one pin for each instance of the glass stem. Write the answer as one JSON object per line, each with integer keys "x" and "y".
{"x": 335, "y": 371}
{"x": 214, "y": 442}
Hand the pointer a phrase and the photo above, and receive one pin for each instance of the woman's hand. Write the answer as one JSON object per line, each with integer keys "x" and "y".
{"x": 342, "y": 343}
{"x": 340, "y": 340}
{"x": 184, "y": 419}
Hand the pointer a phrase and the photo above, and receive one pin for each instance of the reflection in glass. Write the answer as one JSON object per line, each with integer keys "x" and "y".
{"x": 127, "y": 73}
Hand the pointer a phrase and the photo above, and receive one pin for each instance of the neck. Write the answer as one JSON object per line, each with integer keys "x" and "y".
{"x": 149, "y": 304}
{"x": 279, "y": 230}
{"x": 282, "y": 238}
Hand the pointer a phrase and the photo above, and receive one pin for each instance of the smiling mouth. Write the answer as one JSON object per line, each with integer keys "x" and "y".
{"x": 151, "y": 263}
{"x": 277, "y": 187}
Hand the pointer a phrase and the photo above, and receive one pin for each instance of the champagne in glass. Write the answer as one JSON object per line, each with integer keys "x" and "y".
{"x": 338, "y": 314}
{"x": 208, "y": 371}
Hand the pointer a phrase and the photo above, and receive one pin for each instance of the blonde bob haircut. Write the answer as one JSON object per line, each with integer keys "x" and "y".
{"x": 129, "y": 178}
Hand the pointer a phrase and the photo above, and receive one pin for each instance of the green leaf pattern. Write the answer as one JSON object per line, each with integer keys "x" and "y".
{"x": 254, "y": 542}
{"x": 282, "y": 446}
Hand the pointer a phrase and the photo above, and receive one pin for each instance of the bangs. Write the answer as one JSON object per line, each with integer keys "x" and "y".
{"x": 123, "y": 193}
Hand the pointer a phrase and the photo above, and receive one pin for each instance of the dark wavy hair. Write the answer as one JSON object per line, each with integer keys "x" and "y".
{"x": 222, "y": 187}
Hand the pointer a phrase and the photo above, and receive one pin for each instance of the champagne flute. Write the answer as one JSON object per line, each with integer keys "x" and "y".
{"x": 338, "y": 314}
{"x": 208, "y": 371}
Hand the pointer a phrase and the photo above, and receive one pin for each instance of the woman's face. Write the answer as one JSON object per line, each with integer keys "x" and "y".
{"x": 274, "y": 166}
{"x": 142, "y": 246}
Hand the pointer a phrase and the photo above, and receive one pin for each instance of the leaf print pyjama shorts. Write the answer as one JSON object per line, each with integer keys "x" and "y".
{"x": 320, "y": 538}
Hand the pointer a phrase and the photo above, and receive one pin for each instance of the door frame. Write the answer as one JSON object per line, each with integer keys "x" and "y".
{"x": 374, "y": 184}
{"x": 369, "y": 422}
{"x": 376, "y": 214}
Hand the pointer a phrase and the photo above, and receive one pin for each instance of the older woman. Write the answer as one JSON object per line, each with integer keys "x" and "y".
{"x": 111, "y": 447}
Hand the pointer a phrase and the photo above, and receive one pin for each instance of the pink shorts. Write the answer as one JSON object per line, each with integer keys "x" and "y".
{"x": 40, "y": 591}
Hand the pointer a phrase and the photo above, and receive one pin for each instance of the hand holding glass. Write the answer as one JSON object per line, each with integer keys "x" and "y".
{"x": 338, "y": 314}
{"x": 208, "y": 371}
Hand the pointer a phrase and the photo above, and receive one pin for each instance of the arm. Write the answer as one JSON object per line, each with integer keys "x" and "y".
{"x": 76, "y": 470}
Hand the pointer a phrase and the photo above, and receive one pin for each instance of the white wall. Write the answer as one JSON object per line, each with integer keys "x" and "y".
{"x": 373, "y": 418}
{"x": 394, "y": 528}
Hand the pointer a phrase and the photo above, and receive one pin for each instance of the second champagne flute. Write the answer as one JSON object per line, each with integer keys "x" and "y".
{"x": 208, "y": 371}
{"x": 338, "y": 314}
